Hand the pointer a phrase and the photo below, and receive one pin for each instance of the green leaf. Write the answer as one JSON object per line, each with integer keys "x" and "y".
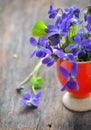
{"x": 36, "y": 82}
{"x": 71, "y": 33}
{"x": 89, "y": 56}
{"x": 39, "y": 29}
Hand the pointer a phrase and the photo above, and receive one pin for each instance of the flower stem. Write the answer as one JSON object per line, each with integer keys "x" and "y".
{"x": 84, "y": 8}
{"x": 34, "y": 91}
{"x": 33, "y": 73}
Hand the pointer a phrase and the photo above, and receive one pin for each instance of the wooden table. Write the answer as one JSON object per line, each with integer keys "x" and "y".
{"x": 16, "y": 20}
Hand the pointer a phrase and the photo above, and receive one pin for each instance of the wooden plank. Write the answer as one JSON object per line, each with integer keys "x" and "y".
{"x": 16, "y": 20}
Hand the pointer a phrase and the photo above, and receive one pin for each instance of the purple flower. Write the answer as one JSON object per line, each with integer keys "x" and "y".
{"x": 55, "y": 39}
{"x": 55, "y": 32}
{"x": 20, "y": 89}
{"x": 85, "y": 16}
{"x": 73, "y": 10}
{"x": 28, "y": 100}
{"x": 40, "y": 47}
{"x": 71, "y": 80}
{"x": 68, "y": 18}
{"x": 80, "y": 47}
{"x": 73, "y": 21}
{"x": 52, "y": 30}
{"x": 87, "y": 19}
{"x": 88, "y": 27}
{"x": 49, "y": 61}
{"x": 52, "y": 12}
{"x": 58, "y": 21}
{"x": 61, "y": 27}
{"x": 65, "y": 56}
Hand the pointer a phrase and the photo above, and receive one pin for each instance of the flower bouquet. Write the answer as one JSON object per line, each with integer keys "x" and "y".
{"x": 68, "y": 43}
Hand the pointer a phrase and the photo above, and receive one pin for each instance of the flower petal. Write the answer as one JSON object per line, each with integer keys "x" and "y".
{"x": 63, "y": 71}
{"x": 33, "y": 41}
{"x": 46, "y": 60}
{"x": 27, "y": 96}
{"x": 70, "y": 46}
{"x": 88, "y": 27}
{"x": 52, "y": 33}
{"x": 38, "y": 95}
{"x": 75, "y": 51}
{"x": 71, "y": 57}
{"x": 60, "y": 54}
{"x": 52, "y": 27}
{"x": 35, "y": 102}
{"x": 40, "y": 53}
{"x": 23, "y": 101}
{"x": 50, "y": 63}
{"x": 76, "y": 38}
{"x": 72, "y": 84}
{"x": 65, "y": 86}
{"x": 33, "y": 53}
{"x": 42, "y": 41}
{"x": 58, "y": 21}
{"x": 52, "y": 13}
{"x": 89, "y": 19}
{"x": 55, "y": 39}
{"x": 67, "y": 10}
{"x": 64, "y": 33}
{"x": 88, "y": 48}
{"x": 46, "y": 50}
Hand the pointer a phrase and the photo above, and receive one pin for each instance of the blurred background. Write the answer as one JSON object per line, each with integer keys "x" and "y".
{"x": 16, "y": 20}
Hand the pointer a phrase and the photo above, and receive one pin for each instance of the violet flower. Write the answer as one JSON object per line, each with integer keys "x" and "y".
{"x": 80, "y": 47}
{"x": 87, "y": 18}
{"x": 61, "y": 27}
{"x": 40, "y": 47}
{"x": 64, "y": 40}
{"x": 71, "y": 82}
{"x": 49, "y": 61}
{"x": 88, "y": 26}
{"x": 20, "y": 89}
{"x": 65, "y": 56}
{"x": 73, "y": 10}
{"x": 52, "y": 12}
{"x": 28, "y": 100}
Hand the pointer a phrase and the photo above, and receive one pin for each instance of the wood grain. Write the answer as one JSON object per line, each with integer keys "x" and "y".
{"x": 16, "y": 20}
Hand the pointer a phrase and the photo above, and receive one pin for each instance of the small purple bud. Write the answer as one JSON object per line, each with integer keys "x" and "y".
{"x": 21, "y": 88}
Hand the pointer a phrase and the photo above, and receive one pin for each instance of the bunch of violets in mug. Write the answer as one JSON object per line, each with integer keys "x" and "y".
{"x": 69, "y": 38}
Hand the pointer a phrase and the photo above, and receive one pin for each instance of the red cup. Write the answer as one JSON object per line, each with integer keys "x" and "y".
{"x": 83, "y": 77}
